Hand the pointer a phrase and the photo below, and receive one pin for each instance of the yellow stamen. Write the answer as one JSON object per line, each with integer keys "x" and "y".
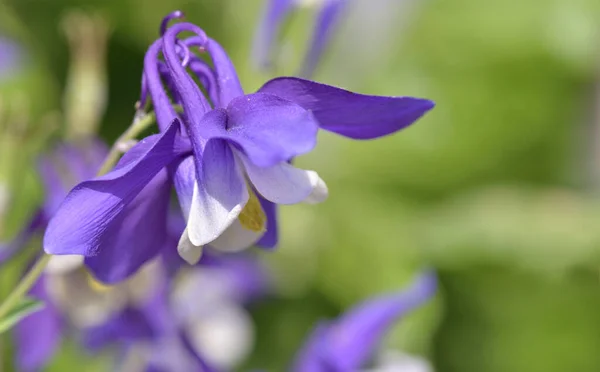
{"x": 97, "y": 285}
{"x": 252, "y": 216}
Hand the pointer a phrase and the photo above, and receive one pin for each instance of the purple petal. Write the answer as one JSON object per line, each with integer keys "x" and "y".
{"x": 270, "y": 130}
{"x": 8, "y": 250}
{"x": 11, "y": 58}
{"x": 38, "y": 336}
{"x": 67, "y": 166}
{"x": 327, "y": 19}
{"x": 54, "y": 186}
{"x": 86, "y": 215}
{"x": 207, "y": 77}
{"x": 353, "y": 338}
{"x": 81, "y": 162}
{"x": 192, "y": 99}
{"x": 136, "y": 235}
{"x": 268, "y": 30}
{"x": 229, "y": 83}
{"x": 249, "y": 278}
{"x": 350, "y": 114}
{"x": 311, "y": 356}
{"x": 165, "y": 113}
{"x": 169, "y": 256}
{"x": 127, "y": 326}
{"x": 184, "y": 180}
{"x": 271, "y": 237}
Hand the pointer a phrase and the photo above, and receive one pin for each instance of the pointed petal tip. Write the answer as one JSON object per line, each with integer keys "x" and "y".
{"x": 429, "y": 104}
{"x": 427, "y": 283}
{"x": 187, "y": 250}
{"x": 353, "y": 115}
{"x": 320, "y": 192}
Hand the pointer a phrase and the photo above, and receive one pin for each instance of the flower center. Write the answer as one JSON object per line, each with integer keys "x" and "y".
{"x": 95, "y": 285}
{"x": 252, "y": 216}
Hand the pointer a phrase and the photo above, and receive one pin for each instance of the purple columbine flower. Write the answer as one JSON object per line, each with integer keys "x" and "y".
{"x": 270, "y": 25}
{"x": 227, "y": 155}
{"x": 349, "y": 342}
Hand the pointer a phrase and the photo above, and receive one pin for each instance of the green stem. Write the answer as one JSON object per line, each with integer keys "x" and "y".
{"x": 24, "y": 285}
{"x": 135, "y": 129}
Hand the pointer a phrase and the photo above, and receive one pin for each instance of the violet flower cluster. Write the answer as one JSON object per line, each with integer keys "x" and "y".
{"x": 227, "y": 154}
{"x": 198, "y": 322}
{"x": 159, "y": 322}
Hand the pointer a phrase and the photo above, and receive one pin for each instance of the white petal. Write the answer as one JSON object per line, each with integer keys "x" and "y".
{"x": 82, "y": 305}
{"x": 224, "y": 337}
{"x": 187, "y": 250}
{"x": 216, "y": 203}
{"x": 236, "y": 238}
{"x": 286, "y": 184}
{"x": 64, "y": 263}
{"x": 320, "y": 191}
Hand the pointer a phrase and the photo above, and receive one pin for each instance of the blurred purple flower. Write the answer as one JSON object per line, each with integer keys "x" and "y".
{"x": 202, "y": 323}
{"x": 38, "y": 336}
{"x": 99, "y": 315}
{"x": 348, "y": 343}
{"x": 228, "y": 157}
{"x": 60, "y": 170}
{"x": 11, "y": 57}
{"x": 270, "y": 25}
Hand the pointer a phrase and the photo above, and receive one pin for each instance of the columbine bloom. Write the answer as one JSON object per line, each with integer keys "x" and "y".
{"x": 227, "y": 155}
{"x": 275, "y": 14}
{"x": 348, "y": 343}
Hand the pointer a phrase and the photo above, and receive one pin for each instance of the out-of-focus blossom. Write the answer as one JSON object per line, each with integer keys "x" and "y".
{"x": 209, "y": 304}
{"x": 213, "y": 330}
{"x": 349, "y": 343}
{"x": 11, "y": 57}
{"x": 227, "y": 155}
{"x": 100, "y": 315}
{"x": 60, "y": 170}
{"x": 270, "y": 25}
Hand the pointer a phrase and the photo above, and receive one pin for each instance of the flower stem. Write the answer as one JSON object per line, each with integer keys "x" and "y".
{"x": 137, "y": 127}
{"x": 24, "y": 285}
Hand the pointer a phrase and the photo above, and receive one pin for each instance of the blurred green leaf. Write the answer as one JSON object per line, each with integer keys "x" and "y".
{"x": 547, "y": 231}
{"x": 25, "y": 307}
{"x": 500, "y": 319}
